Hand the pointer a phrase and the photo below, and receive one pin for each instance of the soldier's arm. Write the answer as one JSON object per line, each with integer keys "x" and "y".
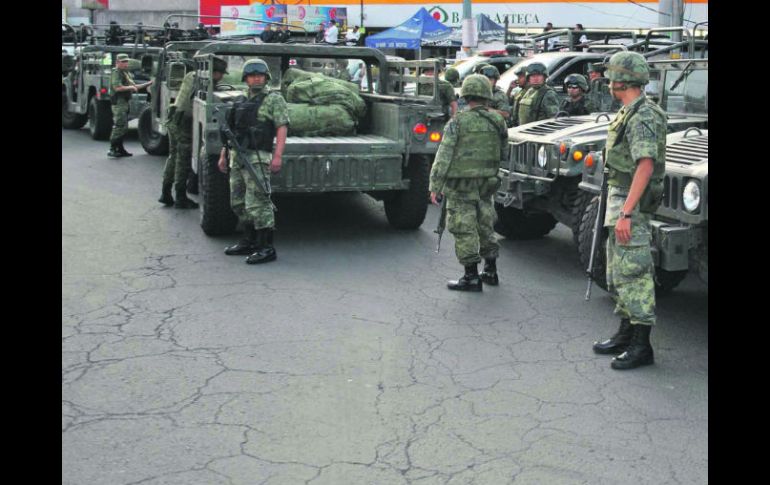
{"x": 279, "y": 113}
{"x": 438, "y": 173}
{"x": 117, "y": 86}
{"x": 551, "y": 103}
{"x": 590, "y": 106}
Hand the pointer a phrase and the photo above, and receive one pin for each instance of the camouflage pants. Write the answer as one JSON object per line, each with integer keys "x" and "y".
{"x": 471, "y": 216}
{"x": 248, "y": 200}
{"x": 179, "y": 161}
{"x": 630, "y": 268}
{"x": 119, "y": 120}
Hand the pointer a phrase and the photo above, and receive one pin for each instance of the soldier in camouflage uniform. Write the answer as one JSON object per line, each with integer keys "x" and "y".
{"x": 599, "y": 92}
{"x": 499, "y": 101}
{"x": 256, "y": 120}
{"x": 517, "y": 92}
{"x": 576, "y": 103}
{"x": 452, "y": 76}
{"x": 635, "y": 156}
{"x": 540, "y": 101}
{"x": 446, "y": 92}
{"x": 122, "y": 85}
{"x": 465, "y": 171}
{"x": 179, "y": 125}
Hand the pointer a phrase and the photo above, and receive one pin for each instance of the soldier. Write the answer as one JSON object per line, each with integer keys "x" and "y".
{"x": 465, "y": 172}
{"x": 599, "y": 89}
{"x": 499, "y": 101}
{"x": 446, "y": 92}
{"x": 122, "y": 85}
{"x": 635, "y": 155}
{"x": 516, "y": 93}
{"x": 452, "y": 76}
{"x": 180, "y": 129}
{"x": 576, "y": 103}
{"x": 540, "y": 101}
{"x": 256, "y": 120}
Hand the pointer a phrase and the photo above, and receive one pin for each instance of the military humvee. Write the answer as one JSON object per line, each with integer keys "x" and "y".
{"x": 170, "y": 72}
{"x": 541, "y": 183}
{"x": 680, "y": 225}
{"x": 388, "y": 158}
{"x": 86, "y": 85}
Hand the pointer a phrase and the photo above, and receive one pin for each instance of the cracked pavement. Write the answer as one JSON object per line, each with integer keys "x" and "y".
{"x": 347, "y": 361}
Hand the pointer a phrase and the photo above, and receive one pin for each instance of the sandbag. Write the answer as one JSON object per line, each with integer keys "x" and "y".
{"x": 309, "y": 120}
{"x": 322, "y": 91}
{"x": 294, "y": 74}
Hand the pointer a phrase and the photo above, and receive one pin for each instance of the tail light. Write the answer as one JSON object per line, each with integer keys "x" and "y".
{"x": 420, "y": 129}
{"x": 435, "y": 136}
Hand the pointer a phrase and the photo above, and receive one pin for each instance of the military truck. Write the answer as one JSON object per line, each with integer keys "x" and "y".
{"x": 86, "y": 85}
{"x": 541, "y": 182}
{"x": 170, "y": 73}
{"x": 680, "y": 225}
{"x": 388, "y": 158}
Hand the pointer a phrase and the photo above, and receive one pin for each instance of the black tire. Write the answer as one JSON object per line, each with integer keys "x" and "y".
{"x": 99, "y": 119}
{"x": 153, "y": 142}
{"x": 407, "y": 209}
{"x": 71, "y": 121}
{"x": 578, "y": 206}
{"x": 517, "y": 224}
{"x": 192, "y": 183}
{"x": 217, "y": 218}
{"x": 585, "y": 238}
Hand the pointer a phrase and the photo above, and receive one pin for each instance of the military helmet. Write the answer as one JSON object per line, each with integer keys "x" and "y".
{"x": 476, "y": 85}
{"x": 520, "y": 70}
{"x": 479, "y": 67}
{"x": 220, "y": 65}
{"x": 537, "y": 68}
{"x": 490, "y": 71}
{"x": 628, "y": 67}
{"x": 576, "y": 79}
{"x": 255, "y": 66}
{"x": 452, "y": 75}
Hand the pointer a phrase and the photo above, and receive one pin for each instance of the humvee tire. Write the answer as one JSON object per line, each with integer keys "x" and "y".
{"x": 99, "y": 119}
{"x": 71, "y": 121}
{"x": 578, "y": 206}
{"x": 516, "y": 224}
{"x": 407, "y": 209}
{"x": 153, "y": 142}
{"x": 217, "y": 218}
{"x": 585, "y": 238}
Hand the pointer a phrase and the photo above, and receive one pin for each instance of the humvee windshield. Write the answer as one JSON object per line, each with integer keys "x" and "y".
{"x": 686, "y": 92}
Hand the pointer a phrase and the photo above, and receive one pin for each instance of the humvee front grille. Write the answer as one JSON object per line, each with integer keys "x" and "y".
{"x": 671, "y": 193}
{"x": 552, "y": 126}
{"x": 688, "y": 150}
{"x": 524, "y": 155}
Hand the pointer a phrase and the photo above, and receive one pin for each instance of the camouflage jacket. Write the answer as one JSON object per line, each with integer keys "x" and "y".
{"x": 538, "y": 103}
{"x": 446, "y": 92}
{"x": 499, "y": 100}
{"x": 183, "y": 100}
{"x": 120, "y": 78}
{"x": 273, "y": 109}
{"x": 582, "y": 106}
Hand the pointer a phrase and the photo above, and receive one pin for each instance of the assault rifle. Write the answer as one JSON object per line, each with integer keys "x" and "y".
{"x": 597, "y": 231}
{"x": 441, "y": 221}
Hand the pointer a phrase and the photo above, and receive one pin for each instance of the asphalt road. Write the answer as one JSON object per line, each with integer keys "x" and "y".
{"x": 347, "y": 361}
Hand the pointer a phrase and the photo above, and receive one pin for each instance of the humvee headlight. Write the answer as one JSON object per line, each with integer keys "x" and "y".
{"x": 542, "y": 158}
{"x": 691, "y": 196}
{"x": 577, "y": 156}
{"x": 563, "y": 148}
{"x": 589, "y": 160}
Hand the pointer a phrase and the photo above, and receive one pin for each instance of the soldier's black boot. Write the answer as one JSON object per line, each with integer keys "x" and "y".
{"x": 618, "y": 343}
{"x": 471, "y": 281}
{"x": 166, "y": 198}
{"x": 639, "y": 351}
{"x": 123, "y": 150}
{"x": 192, "y": 183}
{"x": 114, "y": 151}
{"x": 182, "y": 202}
{"x": 265, "y": 252}
{"x": 489, "y": 275}
{"x": 247, "y": 245}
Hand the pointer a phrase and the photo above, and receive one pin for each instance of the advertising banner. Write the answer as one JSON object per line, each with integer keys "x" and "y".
{"x": 310, "y": 17}
{"x": 270, "y": 13}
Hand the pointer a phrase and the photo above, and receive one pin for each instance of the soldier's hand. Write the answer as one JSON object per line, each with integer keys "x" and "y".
{"x": 435, "y": 199}
{"x": 222, "y": 164}
{"x": 623, "y": 231}
{"x": 275, "y": 164}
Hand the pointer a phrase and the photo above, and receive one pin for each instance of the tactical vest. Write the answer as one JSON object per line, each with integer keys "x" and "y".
{"x": 531, "y": 103}
{"x": 251, "y": 133}
{"x": 125, "y": 80}
{"x": 575, "y": 108}
{"x": 622, "y": 166}
{"x": 477, "y": 152}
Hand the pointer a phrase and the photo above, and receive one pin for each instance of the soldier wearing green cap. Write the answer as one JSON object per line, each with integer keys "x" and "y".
{"x": 540, "y": 101}
{"x": 465, "y": 172}
{"x": 180, "y": 131}
{"x": 576, "y": 102}
{"x": 636, "y": 158}
{"x": 256, "y": 120}
{"x": 121, "y": 85}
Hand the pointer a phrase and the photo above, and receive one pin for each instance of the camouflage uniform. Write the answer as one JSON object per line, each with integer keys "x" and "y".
{"x": 248, "y": 201}
{"x": 446, "y": 93}
{"x": 179, "y": 126}
{"x": 516, "y": 96}
{"x": 118, "y": 78}
{"x": 601, "y": 96}
{"x": 630, "y": 266}
{"x": 465, "y": 170}
{"x": 537, "y": 103}
{"x": 500, "y": 101}
{"x": 582, "y": 106}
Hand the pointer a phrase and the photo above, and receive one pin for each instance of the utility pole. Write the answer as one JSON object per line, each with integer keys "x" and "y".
{"x": 469, "y": 28}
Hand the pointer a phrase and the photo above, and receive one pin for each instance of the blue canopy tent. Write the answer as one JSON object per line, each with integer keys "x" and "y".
{"x": 412, "y": 34}
{"x": 486, "y": 29}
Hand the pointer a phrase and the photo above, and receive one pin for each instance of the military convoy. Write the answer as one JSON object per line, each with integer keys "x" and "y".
{"x": 86, "y": 85}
